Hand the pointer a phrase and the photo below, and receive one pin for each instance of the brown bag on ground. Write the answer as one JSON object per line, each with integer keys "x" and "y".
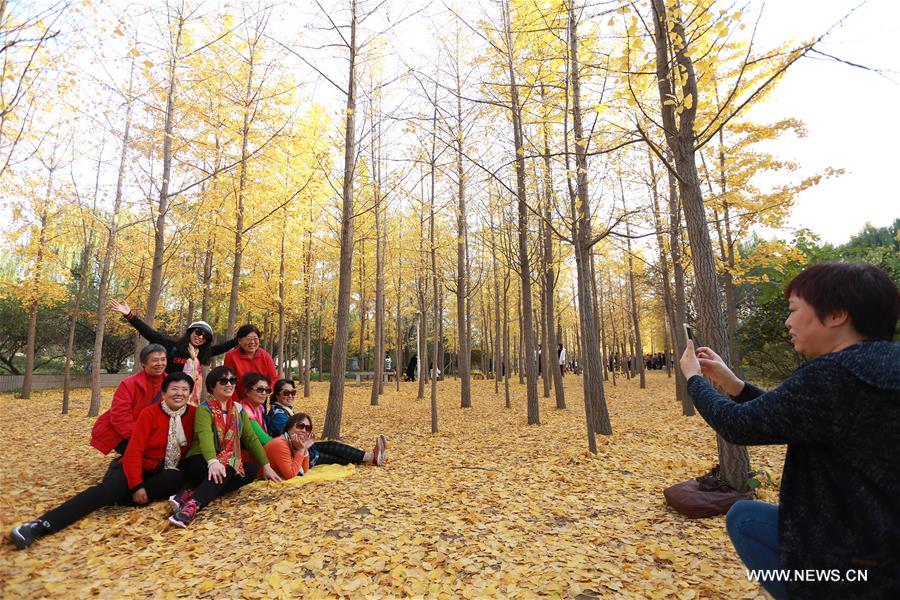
{"x": 705, "y": 496}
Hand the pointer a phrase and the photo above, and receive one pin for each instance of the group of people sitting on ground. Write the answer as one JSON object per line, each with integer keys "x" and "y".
{"x": 171, "y": 445}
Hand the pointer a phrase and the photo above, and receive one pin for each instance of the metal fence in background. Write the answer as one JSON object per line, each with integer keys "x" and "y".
{"x": 9, "y": 383}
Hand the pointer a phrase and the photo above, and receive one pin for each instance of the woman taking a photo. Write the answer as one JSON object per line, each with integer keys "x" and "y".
{"x": 147, "y": 472}
{"x": 189, "y": 353}
{"x": 839, "y": 414}
{"x": 214, "y": 464}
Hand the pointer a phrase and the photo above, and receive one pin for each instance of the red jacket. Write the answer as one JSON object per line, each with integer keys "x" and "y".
{"x": 147, "y": 447}
{"x": 132, "y": 396}
{"x": 260, "y": 363}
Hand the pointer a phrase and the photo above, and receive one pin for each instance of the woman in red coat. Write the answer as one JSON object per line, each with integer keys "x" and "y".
{"x": 249, "y": 357}
{"x": 148, "y": 471}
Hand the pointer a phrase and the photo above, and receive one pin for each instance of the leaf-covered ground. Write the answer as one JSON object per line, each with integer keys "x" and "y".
{"x": 489, "y": 507}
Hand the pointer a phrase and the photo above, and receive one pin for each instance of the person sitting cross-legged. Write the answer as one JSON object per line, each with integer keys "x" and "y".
{"x": 147, "y": 472}
{"x": 214, "y": 464}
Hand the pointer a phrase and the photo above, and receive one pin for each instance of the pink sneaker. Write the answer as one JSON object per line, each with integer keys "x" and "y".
{"x": 379, "y": 454}
{"x": 186, "y": 514}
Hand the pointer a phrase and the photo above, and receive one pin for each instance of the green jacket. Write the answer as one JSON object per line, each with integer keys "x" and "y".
{"x": 205, "y": 437}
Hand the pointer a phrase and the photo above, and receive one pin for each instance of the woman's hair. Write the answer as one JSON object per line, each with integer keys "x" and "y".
{"x": 868, "y": 295}
{"x": 252, "y": 378}
{"x": 177, "y": 376}
{"x": 204, "y": 352}
{"x": 246, "y": 330}
{"x": 279, "y": 385}
{"x": 296, "y": 418}
{"x": 149, "y": 349}
{"x": 213, "y": 377}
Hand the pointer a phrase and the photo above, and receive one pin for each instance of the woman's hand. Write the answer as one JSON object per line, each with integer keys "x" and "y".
{"x": 712, "y": 365}
{"x": 216, "y": 472}
{"x": 121, "y": 307}
{"x": 309, "y": 441}
{"x": 297, "y": 442}
{"x": 270, "y": 474}
{"x": 140, "y": 496}
{"x": 689, "y": 363}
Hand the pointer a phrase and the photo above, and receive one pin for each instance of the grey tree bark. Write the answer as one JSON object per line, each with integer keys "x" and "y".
{"x": 106, "y": 266}
{"x": 534, "y": 417}
{"x": 335, "y": 408}
{"x": 734, "y": 461}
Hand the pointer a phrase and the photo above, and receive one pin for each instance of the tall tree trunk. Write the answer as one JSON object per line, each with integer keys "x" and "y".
{"x": 36, "y": 276}
{"x": 668, "y": 300}
{"x": 108, "y": 254}
{"x": 541, "y": 319}
{"x": 728, "y": 259}
{"x": 504, "y": 365}
{"x": 734, "y": 460}
{"x": 162, "y": 208}
{"x": 86, "y": 256}
{"x": 306, "y": 367}
{"x": 612, "y": 322}
{"x": 550, "y": 280}
{"x": 363, "y": 308}
{"x": 581, "y": 212}
{"x": 239, "y": 206}
{"x": 462, "y": 268}
{"x": 436, "y": 325}
{"x": 378, "y": 367}
{"x": 534, "y": 416}
{"x": 498, "y": 343}
{"x": 281, "y": 300}
{"x": 398, "y": 368}
{"x": 680, "y": 307}
{"x": 636, "y": 323}
{"x": 335, "y": 407}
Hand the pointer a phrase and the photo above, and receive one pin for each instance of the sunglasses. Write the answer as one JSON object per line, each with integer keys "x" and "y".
{"x": 304, "y": 426}
{"x": 200, "y": 333}
{"x": 262, "y": 390}
{"x": 227, "y": 381}
{"x": 288, "y": 392}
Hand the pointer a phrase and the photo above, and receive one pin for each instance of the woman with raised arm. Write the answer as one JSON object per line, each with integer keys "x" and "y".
{"x": 839, "y": 414}
{"x": 147, "y": 472}
{"x": 189, "y": 353}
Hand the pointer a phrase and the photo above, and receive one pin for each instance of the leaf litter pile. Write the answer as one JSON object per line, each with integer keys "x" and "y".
{"x": 488, "y": 507}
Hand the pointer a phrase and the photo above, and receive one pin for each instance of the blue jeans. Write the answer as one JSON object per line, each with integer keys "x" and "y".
{"x": 753, "y": 529}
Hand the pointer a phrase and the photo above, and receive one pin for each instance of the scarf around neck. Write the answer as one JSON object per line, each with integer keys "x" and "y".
{"x": 225, "y": 428}
{"x": 176, "y": 438}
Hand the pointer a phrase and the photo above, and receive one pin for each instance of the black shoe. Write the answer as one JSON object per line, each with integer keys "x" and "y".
{"x": 24, "y": 535}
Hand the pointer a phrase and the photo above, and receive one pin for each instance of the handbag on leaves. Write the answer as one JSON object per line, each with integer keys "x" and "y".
{"x": 705, "y": 496}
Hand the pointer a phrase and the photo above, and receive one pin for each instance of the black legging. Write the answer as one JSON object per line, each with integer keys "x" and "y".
{"x": 336, "y": 453}
{"x": 112, "y": 490}
{"x": 205, "y": 489}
